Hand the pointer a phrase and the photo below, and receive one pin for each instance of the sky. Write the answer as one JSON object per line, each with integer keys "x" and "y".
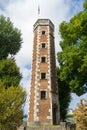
{"x": 23, "y": 14}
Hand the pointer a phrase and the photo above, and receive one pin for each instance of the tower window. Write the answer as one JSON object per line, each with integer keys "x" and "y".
{"x": 43, "y": 75}
{"x": 43, "y": 32}
{"x": 43, "y": 45}
{"x": 43, "y": 95}
{"x": 43, "y": 59}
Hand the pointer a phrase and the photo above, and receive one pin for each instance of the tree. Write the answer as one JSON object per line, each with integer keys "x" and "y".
{"x": 12, "y": 96}
{"x": 72, "y": 71}
{"x": 80, "y": 115}
{"x": 9, "y": 73}
{"x": 10, "y": 38}
{"x": 73, "y": 58}
{"x": 11, "y": 106}
{"x": 64, "y": 96}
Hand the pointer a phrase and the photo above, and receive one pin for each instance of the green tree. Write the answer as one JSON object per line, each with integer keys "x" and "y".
{"x": 12, "y": 96}
{"x": 9, "y": 73}
{"x": 73, "y": 57}
{"x": 10, "y": 38}
{"x": 64, "y": 96}
{"x": 11, "y": 107}
{"x": 80, "y": 115}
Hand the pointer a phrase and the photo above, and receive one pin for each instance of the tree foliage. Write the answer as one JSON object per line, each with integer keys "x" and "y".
{"x": 73, "y": 58}
{"x": 12, "y": 96}
{"x": 11, "y": 106}
{"x": 72, "y": 71}
{"x": 10, "y": 38}
{"x": 9, "y": 73}
{"x": 80, "y": 115}
{"x": 64, "y": 97}
{"x": 85, "y": 5}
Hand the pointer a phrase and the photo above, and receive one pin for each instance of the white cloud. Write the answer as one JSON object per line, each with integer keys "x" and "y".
{"x": 24, "y": 13}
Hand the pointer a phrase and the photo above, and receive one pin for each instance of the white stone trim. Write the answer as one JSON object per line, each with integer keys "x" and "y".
{"x": 36, "y": 118}
{"x": 49, "y": 80}
{"x": 30, "y": 85}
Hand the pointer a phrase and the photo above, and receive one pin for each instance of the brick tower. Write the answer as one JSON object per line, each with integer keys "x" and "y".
{"x": 43, "y": 104}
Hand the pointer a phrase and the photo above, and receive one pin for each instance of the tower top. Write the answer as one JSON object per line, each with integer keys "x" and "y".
{"x": 43, "y": 22}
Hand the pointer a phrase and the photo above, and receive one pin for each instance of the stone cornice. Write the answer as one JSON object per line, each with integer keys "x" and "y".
{"x": 43, "y": 22}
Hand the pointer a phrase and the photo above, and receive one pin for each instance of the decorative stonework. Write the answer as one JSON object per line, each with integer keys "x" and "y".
{"x": 49, "y": 81}
{"x": 36, "y": 118}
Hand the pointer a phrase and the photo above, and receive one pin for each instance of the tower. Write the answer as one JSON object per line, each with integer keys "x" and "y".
{"x": 43, "y": 102}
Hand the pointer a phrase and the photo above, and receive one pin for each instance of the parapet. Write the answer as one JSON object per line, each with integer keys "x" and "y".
{"x": 43, "y": 22}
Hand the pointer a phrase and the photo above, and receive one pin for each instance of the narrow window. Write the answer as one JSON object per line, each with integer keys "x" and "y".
{"x": 43, "y": 32}
{"x": 43, "y": 59}
{"x": 43, "y": 75}
{"x": 43, "y": 95}
{"x": 43, "y": 45}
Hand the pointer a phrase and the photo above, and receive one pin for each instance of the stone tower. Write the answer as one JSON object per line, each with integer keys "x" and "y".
{"x": 43, "y": 103}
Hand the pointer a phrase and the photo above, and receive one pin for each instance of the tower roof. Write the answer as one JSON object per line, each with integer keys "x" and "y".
{"x": 43, "y": 22}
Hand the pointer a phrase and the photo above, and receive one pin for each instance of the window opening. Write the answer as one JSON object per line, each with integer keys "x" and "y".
{"x": 43, "y": 95}
{"x": 43, "y": 45}
{"x": 43, "y": 75}
{"x": 43, "y": 59}
{"x": 43, "y": 32}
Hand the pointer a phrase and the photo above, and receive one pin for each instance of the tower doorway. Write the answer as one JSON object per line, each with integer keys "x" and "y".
{"x": 55, "y": 118}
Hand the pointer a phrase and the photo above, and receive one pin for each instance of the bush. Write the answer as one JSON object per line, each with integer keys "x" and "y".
{"x": 80, "y": 115}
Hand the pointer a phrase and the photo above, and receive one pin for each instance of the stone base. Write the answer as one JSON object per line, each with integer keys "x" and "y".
{"x": 37, "y": 124}
{"x": 44, "y": 127}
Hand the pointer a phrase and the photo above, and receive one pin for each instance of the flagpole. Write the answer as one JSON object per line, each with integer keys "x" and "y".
{"x": 38, "y": 11}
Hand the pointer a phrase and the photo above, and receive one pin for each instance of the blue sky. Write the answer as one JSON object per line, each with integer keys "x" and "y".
{"x": 23, "y": 14}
